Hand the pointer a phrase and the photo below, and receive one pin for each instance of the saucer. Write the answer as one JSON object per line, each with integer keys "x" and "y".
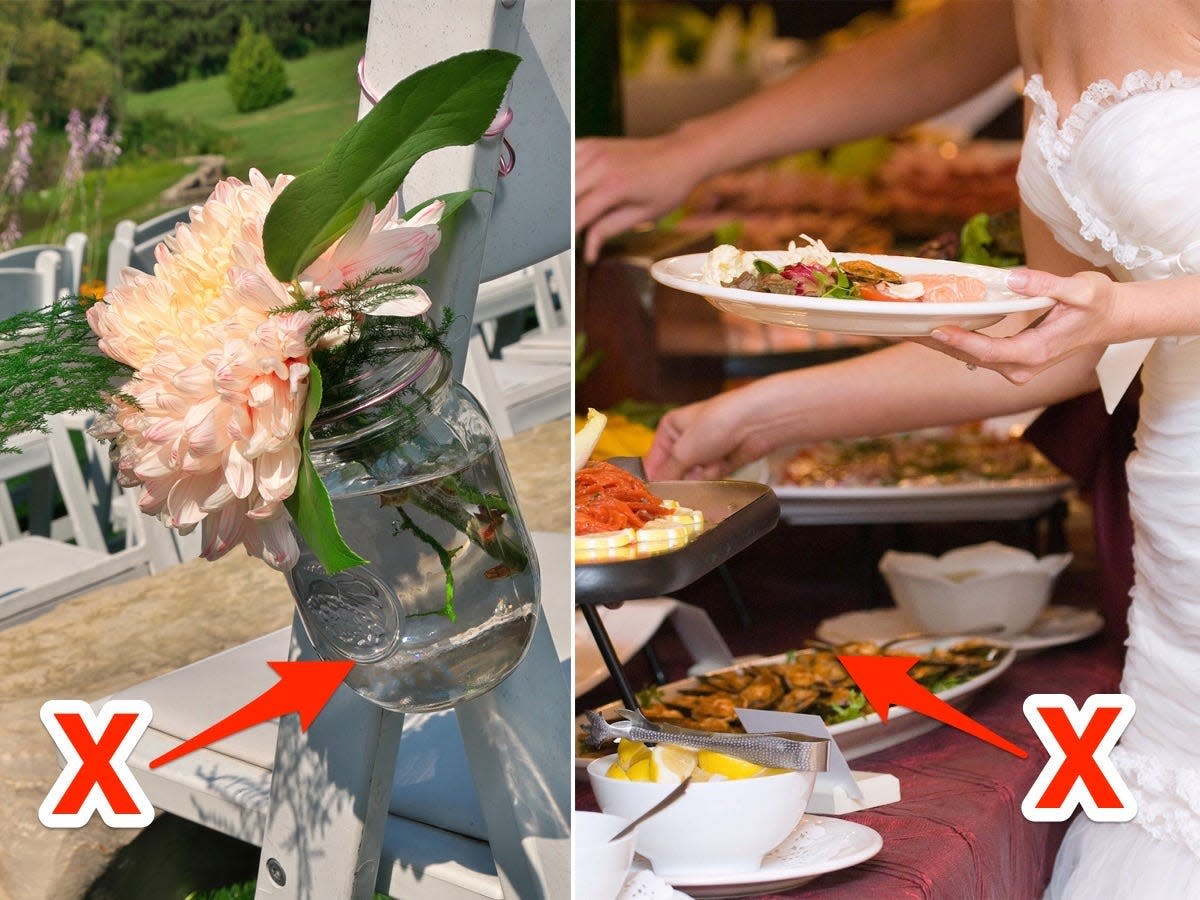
{"x": 819, "y": 844}
{"x": 1057, "y": 625}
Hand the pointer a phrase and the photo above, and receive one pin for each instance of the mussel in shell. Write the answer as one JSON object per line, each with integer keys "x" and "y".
{"x": 864, "y": 272}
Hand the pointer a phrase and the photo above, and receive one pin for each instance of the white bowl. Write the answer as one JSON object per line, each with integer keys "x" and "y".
{"x": 974, "y": 588}
{"x": 601, "y": 865}
{"x": 716, "y": 828}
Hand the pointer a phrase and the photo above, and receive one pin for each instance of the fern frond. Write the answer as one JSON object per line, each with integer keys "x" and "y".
{"x": 49, "y": 364}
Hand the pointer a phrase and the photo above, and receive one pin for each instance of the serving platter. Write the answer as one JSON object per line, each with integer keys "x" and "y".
{"x": 736, "y": 514}
{"x": 865, "y": 734}
{"x": 864, "y": 317}
{"x": 1013, "y": 499}
{"x": 1055, "y": 627}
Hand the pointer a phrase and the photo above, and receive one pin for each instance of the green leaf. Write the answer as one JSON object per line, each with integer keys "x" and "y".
{"x": 765, "y": 267}
{"x": 309, "y": 504}
{"x": 450, "y": 103}
{"x": 454, "y": 202}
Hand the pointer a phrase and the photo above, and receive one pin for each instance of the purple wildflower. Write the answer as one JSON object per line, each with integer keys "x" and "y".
{"x": 77, "y": 148}
{"x": 11, "y": 234}
{"x": 22, "y": 159}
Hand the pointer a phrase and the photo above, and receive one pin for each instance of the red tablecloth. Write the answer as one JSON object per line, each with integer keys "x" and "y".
{"x": 958, "y": 832}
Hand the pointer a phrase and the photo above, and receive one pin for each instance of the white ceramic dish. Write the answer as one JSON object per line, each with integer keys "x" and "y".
{"x": 706, "y": 831}
{"x": 629, "y": 628}
{"x": 600, "y": 864}
{"x": 869, "y": 317}
{"x": 820, "y": 844}
{"x": 1055, "y": 627}
{"x": 868, "y": 734}
{"x": 970, "y": 589}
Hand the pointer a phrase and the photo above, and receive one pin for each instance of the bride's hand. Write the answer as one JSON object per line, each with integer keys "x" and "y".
{"x": 1085, "y": 315}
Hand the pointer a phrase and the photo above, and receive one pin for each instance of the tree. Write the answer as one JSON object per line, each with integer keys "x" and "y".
{"x": 256, "y": 75}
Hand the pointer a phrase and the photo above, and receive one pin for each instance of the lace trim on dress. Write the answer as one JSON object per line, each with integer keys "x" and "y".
{"x": 1168, "y": 797}
{"x": 1056, "y": 144}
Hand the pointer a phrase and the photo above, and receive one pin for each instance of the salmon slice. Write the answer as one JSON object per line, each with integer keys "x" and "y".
{"x": 950, "y": 288}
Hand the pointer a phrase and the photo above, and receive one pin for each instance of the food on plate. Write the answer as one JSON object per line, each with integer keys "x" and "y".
{"x": 964, "y": 455}
{"x": 609, "y": 499}
{"x": 812, "y": 271}
{"x": 617, "y": 517}
{"x": 809, "y": 681}
{"x": 670, "y": 764}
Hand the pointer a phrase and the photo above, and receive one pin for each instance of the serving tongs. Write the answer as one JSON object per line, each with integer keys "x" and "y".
{"x": 774, "y": 749}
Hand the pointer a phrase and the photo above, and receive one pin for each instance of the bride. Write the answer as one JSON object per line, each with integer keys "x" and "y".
{"x": 1111, "y": 219}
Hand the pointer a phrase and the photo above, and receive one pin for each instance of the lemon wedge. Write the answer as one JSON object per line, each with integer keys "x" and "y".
{"x": 729, "y": 766}
{"x": 629, "y": 752}
{"x": 615, "y": 771}
{"x": 640, "y": 770}
{"x": 670, "y": 764}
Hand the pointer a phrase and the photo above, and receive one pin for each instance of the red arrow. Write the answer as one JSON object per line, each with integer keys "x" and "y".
{"x": 303, "y": 688}
{"x": 885, "y": 681}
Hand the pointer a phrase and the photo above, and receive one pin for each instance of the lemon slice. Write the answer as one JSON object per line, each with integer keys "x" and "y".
{"x": 670, "y": 764}
{"x": 640, "y": 770}
{"x": 730, "y": 766}
{"x": 654, "y": 548}
{"x": 682, "y": 515}
{"x": 659, "y": 530}
{"x": 611, "y": 554}
{"x": 604, "y": 540}
{"x": 671, "y": 504}
{"x": 615, "y": 771}
{"x": 629, "y": 752}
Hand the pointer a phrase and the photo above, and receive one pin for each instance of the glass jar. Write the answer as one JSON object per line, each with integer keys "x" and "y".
{"x": 447, "y": 603}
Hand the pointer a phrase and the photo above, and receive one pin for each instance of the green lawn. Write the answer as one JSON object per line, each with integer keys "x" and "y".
{"x": 289, "y": 137}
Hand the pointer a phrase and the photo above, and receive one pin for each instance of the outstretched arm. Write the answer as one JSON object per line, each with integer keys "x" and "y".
{"x": 895, "y": 77}
{"x": 897, "y": 389}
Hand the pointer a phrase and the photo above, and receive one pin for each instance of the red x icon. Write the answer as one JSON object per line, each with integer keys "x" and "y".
{"x": 96, "y": 777}
{"x": 1079, "y": 772}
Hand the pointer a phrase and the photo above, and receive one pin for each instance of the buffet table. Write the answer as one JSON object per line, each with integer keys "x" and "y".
{"x": 958, "y": 831}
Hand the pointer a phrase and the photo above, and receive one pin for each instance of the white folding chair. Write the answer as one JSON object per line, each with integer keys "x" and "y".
{"x": 527, "y": 382}
{"x": 516, "y": 395}
{"x": 39, "y": 570}
{"x": 69, "y": 257}
{"x": 133, "y": 244}
{"x": 26, "y": 289}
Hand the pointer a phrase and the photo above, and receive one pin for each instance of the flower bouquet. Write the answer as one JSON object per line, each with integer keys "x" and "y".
{"x": 279, "y": 363}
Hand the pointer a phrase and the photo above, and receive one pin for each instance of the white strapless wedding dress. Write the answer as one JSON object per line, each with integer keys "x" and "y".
{"x": 1119, "y": 184}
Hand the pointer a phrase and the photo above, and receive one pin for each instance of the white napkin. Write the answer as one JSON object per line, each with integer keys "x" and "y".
{"x": 1118, "y": 366}
{"x": 643, "y": 884}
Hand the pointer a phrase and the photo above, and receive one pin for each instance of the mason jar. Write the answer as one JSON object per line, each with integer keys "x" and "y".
{"x": 446, "y": 605}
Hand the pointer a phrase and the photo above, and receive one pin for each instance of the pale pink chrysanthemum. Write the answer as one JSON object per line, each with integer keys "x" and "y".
{"x": 214, "y": 437}
{"x": 376, "y": 242}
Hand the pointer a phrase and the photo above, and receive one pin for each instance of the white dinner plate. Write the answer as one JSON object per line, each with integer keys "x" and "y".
{"x": 820, "y": 844}
{"x": 629, "y": 627}
{"x": 1057, "y": 625}
{"x": 866, "y": 734}
{"x": 868, "y": 317}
